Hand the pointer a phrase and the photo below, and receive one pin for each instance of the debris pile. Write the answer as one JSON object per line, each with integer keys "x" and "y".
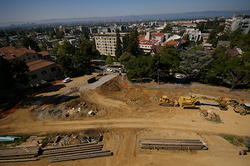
{"x": 210, "y": 116}
{"x": 72, "y": 109}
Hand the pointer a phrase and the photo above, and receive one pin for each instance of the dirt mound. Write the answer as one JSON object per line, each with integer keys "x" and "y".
{"x": 111, "y": 86}
{"x": 128, "y": 94}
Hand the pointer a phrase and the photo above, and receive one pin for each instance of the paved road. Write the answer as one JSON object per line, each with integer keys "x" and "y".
{"x": 98, "y": 83}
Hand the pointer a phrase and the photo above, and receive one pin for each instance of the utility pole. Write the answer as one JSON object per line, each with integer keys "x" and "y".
{"x": 158, "y": 73}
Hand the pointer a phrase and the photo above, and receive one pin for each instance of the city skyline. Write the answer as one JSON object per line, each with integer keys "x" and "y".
{"x": 28, "y": 10}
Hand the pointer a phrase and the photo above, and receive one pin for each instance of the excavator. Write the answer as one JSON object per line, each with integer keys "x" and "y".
{"x": 193, "y": 101}
{"x": 242, "y": 109}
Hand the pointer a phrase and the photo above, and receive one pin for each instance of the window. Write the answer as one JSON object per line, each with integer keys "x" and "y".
{"x": 44, "y": 72}
{"x": 34, "y": 76}
{"x": 53, "y": 69}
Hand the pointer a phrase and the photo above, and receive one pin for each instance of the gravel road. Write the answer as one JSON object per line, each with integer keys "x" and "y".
{"x": 98, "y": 83}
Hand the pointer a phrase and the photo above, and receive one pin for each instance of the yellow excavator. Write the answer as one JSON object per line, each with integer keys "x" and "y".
{"x": 184, "y": 102}
{"x": 193, "y": 101}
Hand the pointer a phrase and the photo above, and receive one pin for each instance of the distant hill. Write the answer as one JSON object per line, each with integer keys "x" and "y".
{"x": 169, "y": 16}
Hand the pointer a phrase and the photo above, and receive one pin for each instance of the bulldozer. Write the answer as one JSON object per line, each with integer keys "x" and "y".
{"x": 166, "y": 101}
{"x": 223, "y": 102}
{"x": 242, "y": 109}
{"x": 193, "y": 101}
{"x": 184, "y": 102}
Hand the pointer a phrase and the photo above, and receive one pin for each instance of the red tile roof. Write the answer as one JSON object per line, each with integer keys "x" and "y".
{"x": 141, "y": 37}
{"x": 157, "y": 34}
{"x": 171, "y": 42}
{"x": 38, "y": 64}
{"x": 148, "y": 42}
{"x": 157, "y": 49}
{"x": 43, "y": 53}
{"x": 12, "y": 52}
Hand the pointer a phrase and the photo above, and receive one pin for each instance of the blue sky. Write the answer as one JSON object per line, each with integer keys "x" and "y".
{"x": 31, "y": 10}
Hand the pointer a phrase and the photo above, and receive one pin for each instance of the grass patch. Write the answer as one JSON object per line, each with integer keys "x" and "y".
{"x": 235, "y": 140}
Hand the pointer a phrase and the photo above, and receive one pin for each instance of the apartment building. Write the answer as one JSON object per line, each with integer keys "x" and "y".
{"x": 238, "y": 22}
{"x": 106, "y": 43}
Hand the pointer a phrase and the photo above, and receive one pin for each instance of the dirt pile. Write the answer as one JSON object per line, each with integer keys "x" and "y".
{"x": 111, "y": 86}
{"x": 210, "y": 116}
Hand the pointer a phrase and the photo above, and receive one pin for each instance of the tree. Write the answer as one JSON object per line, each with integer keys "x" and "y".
{"x": 12, "y": 72}
{"x": 149, "y": 67}
{"x": 19, "y": 69}
{"x": 5, "y": 74}
{"x": 232, "y": 71}
{"x": 167, "y": 28}
{"x": 133, "y": 43}
{"x": 126, "y": 57}
{"x": 195, "y": 63}
{"x": 109, "y": 59}
{"x": 28, "y": 42}
{"x": 76, "y": 60}
{"x": 118, "y": 51}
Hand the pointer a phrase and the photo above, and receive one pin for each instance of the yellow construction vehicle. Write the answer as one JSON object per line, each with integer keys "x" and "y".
{"x": 184, "y": 102}
{"x": 190, "y": 101}
{"x": 223, "y": 102}
{"x": 242, "y": 109}
{"x": 193, "y": 101}
{"x": 165, "y": 101}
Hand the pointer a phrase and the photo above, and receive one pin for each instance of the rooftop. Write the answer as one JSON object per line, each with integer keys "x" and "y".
{"x": 43, "y": 53}
{"x": 12, "y": 52}
{"x": 38, "y": 64}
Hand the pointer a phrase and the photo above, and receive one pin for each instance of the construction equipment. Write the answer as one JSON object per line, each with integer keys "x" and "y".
{"x": 242, "y": 109}
{"x": 165, "y": 101}
{"x": 192, "y": 101}
{"x": 184, "y": 102}
{"x": 223, "y": 102}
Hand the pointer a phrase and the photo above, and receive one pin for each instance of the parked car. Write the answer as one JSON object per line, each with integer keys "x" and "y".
{"x": 66, "y": 80}
{"x": 109, "y": 70}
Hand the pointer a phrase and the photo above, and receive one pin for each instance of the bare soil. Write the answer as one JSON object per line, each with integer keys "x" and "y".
{"x": 128, "y": 113}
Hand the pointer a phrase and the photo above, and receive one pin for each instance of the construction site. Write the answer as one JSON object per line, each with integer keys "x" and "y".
{"x": 113, "y": 122}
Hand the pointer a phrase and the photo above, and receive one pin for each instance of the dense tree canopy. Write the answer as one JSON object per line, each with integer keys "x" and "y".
{"x": 76, "y": 60}
{"x": 12, "y": 72}
{"x": 133, "y": 43}
{"x": 28, "y": 42}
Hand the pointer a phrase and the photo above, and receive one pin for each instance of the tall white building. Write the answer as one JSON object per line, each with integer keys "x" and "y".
{"x": 238, "y": 22}
{"x": 193, "y": 34}
{"x": 106, "y": 43}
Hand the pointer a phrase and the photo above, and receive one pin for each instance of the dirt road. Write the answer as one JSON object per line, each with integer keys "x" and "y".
{"x": 98, "y": 83}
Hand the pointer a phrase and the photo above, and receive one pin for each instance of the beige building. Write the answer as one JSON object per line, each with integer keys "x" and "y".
{"x": 43, "y": 70}
{"x": 40, "y": 67}
{"x": 106, "y": 43}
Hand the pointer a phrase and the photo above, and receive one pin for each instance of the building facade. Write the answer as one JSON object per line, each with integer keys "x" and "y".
{"x": 106, "y": 43}
{"x": 238, "y": 22}
{"x": 39, "y": 65}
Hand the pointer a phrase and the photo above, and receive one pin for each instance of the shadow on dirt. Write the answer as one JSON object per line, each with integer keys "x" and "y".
{"x": 54, "y": 99}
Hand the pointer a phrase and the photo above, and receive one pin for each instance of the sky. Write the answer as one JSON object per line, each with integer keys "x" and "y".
{"x": 33, "y": 10}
